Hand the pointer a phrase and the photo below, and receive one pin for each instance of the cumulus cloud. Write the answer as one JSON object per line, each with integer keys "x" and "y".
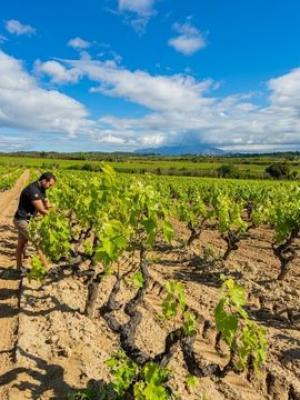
{"x": 25, "y": 105}
{"x": 182, "y": 109}
{"x": 56, "y": 72}
{"x": 137, "y": 13}
{"x": 189, "y": 39}
{"x": 79, "y": 44}
{"x": 15, "y": 27}
{"x": 177, "y": 108}
{"x": 286, "y": 90}
{"x": 177, "y": 92}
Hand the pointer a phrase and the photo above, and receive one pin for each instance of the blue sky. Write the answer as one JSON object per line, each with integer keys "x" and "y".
{"x": 126, "y": 74}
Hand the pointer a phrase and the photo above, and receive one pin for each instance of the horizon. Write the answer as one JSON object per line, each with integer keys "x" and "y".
{"x": 138, "y": 154}
{"x": 118, "y": 76}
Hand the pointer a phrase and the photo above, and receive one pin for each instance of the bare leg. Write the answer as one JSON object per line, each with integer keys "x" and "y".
{"x": 25, "y": 255}
{"x": 22, "y": 241}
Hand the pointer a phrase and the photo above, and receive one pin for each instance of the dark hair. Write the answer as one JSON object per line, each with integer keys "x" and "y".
{"x": 48, "y": 176}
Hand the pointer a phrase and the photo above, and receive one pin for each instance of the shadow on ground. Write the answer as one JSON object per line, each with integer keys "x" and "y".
{"x": 48, "y": 377}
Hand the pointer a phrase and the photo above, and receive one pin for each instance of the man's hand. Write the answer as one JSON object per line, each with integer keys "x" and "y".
{"x": 40, "y": 207}
{"x": 47, "y": 204}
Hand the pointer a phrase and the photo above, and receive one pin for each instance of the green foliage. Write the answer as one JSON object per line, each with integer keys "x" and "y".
{"x": 148, "y": 382}
{"x": 278, "y": 170}
{"x": 137, "y": 280}
{"x": 189, "y": 323}
{"x": 151, "y": 383}
{"x": 228, "y": 171}
{"x": 102, "y": 217}
{"x": 252, "y": 341}
{"x": 285, "y": 218}
{"x": 123, "y": 371}
{"x": 8, "y": 178}
{"x": 168, "y": 231}
{"x": 191, "y": 381}
{"x": 229, "y": 217}
{"x": 113, "y": 241}
{"x": 37, "y": 271}
{"x": 174, "y": 304}
{"x": 52, "y": 234}
{"x": 175, "y": 300}
{"x": 244, "y": 337}
{"x": 84, "y": 394}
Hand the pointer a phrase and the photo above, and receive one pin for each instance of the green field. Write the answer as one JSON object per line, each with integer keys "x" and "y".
{"x": 247, "y": 167}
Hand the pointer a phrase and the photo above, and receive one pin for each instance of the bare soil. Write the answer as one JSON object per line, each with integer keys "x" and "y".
{"x": 49, "y": 348}
{"x": 9, "y": 283}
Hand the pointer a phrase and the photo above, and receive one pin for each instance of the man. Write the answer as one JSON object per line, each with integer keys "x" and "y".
{"x": 33, "y": 201}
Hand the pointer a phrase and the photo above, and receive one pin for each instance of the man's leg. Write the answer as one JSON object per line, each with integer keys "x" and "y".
{"x": 22, "y": 227}
{"x": 22, "y": 242}
{"x": 25, "y": 255}
{"x": 23, "y": 236}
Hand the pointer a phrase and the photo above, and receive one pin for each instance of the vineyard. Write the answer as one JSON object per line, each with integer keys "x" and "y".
{"x": 8, "y": 177}
{"x": 159, "y": 288}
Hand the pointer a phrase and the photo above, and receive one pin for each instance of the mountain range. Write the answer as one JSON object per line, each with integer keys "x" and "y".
{"x": 182, "y": 149}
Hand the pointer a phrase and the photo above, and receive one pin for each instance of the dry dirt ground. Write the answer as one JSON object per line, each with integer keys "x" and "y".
{"x": 10, "y": 285}
{"x": 49, "y": 348}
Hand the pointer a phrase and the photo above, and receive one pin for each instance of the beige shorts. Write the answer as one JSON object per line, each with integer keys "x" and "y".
{"x": 22, "y": 227}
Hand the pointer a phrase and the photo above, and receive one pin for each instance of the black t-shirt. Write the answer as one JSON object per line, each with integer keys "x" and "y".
{"x": 26, "y": 209}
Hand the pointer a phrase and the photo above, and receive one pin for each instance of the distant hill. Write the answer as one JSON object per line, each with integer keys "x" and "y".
{"x": 180, "y": 150}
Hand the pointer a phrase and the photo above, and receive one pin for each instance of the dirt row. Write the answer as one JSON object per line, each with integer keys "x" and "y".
{"x": 9, "y": 283}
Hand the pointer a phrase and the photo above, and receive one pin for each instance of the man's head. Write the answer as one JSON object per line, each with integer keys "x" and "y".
{"x": 47, "y": 180}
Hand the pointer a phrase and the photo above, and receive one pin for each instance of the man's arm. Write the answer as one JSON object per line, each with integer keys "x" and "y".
{"x": 40, "y": 207}
{"x": 47, "y": 204}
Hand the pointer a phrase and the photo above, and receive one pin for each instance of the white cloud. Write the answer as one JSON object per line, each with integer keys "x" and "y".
{"x": 140, "y": 7}
{"x": 79, "y": 44}
{"x": 189, "y": 41}
{"x": 110, "y": 139}
{"x": 17, "y": 28}
{"x": 57, "y": 72}
{"x": 137, "y": 13}
{"x": 286, "y": 89}
{"x": 183, "y": 110}
{"x": 178, "y": 108}
{"x": 24, "y": 105}
{"x": 177, "y": 92}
